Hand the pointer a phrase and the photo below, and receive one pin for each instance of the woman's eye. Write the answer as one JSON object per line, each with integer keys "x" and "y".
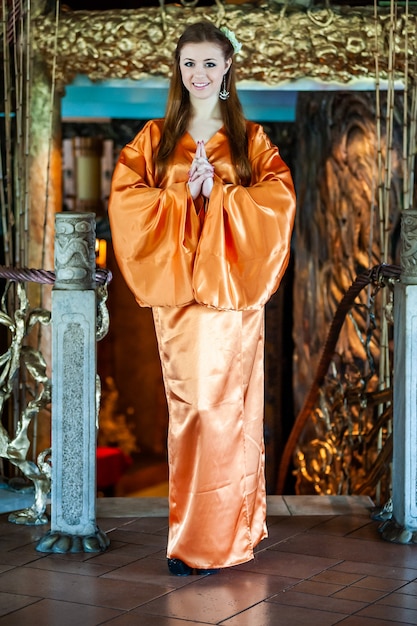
{"x": 210, "y": 65}
{"x": 188, "y": 64}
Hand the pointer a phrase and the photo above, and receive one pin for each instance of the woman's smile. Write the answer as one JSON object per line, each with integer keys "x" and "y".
{"x": 202, "y": 67}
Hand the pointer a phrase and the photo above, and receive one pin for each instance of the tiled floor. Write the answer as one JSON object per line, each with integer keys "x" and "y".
{"x": 324, "y": 563}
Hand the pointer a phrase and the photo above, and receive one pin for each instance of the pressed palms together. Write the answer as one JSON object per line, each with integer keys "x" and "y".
{"x": 200, "y": 178}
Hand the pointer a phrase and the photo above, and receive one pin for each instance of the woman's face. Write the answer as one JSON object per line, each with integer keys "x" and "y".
{"x": 202, "y": 67}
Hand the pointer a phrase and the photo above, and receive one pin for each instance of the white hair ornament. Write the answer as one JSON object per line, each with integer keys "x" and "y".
{"x": 237, "y": 46}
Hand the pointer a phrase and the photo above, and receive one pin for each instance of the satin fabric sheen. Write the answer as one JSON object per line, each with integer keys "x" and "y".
{"x": 213, "y": 370}
{"x": 207, "y": 275}
{"x": 171, "y": 254}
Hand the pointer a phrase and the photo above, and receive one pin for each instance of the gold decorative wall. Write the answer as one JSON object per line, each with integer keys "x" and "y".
{"x": 331, "y": 44}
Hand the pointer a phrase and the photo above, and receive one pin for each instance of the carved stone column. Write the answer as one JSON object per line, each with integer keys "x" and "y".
{"x": 402, "y": 527}
{"x": 74, "y": 413}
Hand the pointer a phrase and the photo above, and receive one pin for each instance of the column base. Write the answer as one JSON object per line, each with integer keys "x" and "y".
{"x": 390, "y": 529}
{"x": 395, "y": 533}
{"x": 62, "y": 543}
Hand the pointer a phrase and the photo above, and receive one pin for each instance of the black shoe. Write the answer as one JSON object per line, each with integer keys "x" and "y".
{"x": 206, "y": 572}
{"x": 179, "y": 568}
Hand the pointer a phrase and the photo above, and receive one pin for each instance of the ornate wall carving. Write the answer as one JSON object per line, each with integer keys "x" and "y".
{"x": 338, "y": 237}
{"x": 409, "y": 246}
{"x": 338, "y": 234}
{"x": 337, "y": 44}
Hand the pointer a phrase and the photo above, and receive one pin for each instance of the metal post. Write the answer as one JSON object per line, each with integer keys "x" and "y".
{"x": 74, "y": 419}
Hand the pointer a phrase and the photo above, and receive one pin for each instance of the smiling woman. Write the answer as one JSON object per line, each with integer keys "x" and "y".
{"x": 201, "y": 74}
{"x": 203, "y": 70}
{"x": 201, "y": 213}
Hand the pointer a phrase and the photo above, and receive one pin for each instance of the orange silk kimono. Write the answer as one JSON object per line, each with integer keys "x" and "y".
{"x": 207, "y": 273}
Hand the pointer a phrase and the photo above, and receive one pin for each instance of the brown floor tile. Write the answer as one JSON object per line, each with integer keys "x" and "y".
{"x": 13, "y": 601}
{"x": 54, "y": 563}
{"x": 276, "y": 534}
{"x": 375, "y": 569}
{"x": 132, "y": 537}
{"x": 400, "y": 599}
{"x": 152, "y": 570}
{"x": 124, "y": 554}
{"x": 322, "y": 505}
{"x": 132, "y": 507}
{"x": 133, "y": 619}
{"x": 382, "y": 584}
{"x": 281, "y": 528}
{"x": 139, "y": 551}
{"x": 310, "y": 601}
{"x": 317, "y": 588}
{"x": 399, "y": 614}
{"x": 368, "y": 532}
{"x": 338, "y": 578}
{"x": 326, "y": 569}
{"x": 55, "y": 613}
{"x": 153, "y": 525}
{"x": 107, "y": 524}
{"x": 18, "y": 534}
{"x": 351, "y": 549}
{"x": 270, "y": 614}
{"x": 356, "y": 620}
{"x": 410, "y": 588}
{"x": 276, "y": 505}
{"x": 81, "y": 557}
{"x": 345, "y": 525}
{"x": 293, "y": 525}
{"x": 215, "y": 598}
{"x": 289, "y": 564}
{"x": 19, "y": 556}
{"x": 359, "y": 594}
{"x": 75, "y": 588}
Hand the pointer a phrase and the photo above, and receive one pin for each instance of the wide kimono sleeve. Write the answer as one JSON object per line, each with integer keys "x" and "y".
{"x": 154, "y": 230}
{"x": 245, "y": 243}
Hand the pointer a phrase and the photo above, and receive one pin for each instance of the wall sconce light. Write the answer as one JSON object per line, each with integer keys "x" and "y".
{"x": 88, "y": 153}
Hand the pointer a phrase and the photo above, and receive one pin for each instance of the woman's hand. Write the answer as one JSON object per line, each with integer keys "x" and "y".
{"x": 200, "y": 178}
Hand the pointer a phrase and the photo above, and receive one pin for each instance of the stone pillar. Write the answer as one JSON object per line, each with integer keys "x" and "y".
{"x": 74, "y": 414}
{"x": 402, "y": 527}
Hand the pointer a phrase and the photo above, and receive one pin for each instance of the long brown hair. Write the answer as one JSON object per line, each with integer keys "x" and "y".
{"x": 178, "y": 109}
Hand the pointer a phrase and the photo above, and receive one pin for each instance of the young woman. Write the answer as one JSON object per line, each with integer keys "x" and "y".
{"x": 201, "y": 213}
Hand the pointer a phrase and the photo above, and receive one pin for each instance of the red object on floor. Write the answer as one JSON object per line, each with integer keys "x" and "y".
{"x": 111, "y": 465}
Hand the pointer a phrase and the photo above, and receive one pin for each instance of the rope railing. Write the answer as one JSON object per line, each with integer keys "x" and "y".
{"x": 46, "y": 277}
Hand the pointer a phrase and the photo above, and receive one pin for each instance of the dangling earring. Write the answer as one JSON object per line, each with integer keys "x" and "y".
{"x": 224, "y": 94}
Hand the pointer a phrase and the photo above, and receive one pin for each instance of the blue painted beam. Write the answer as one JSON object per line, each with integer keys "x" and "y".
{"x": 127, "y": 99}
